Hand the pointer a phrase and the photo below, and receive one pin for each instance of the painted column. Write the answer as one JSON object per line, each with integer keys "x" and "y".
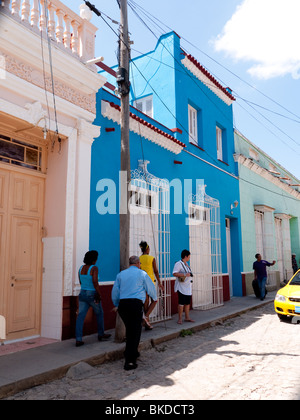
{"x": 269, "y": 241}
{"x": 286, "y": 244}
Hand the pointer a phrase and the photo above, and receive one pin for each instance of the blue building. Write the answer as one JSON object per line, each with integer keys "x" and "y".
{"x": 184, "y": 192}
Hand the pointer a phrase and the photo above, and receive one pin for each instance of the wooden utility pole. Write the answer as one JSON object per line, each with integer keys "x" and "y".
{"x": 125, "y": 175}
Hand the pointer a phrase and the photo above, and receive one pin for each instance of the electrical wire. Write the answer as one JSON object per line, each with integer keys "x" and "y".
{"x": 247, "y": 102}
{"x": 214, "y": 60}
{"x": 186, "y": 72}
{"x": 51, "y": 72}
{"x": 181, "y": 125}
{"x": 279, "y": 129}
{"x": 44, "y": 75}
{"x": 161, "y": 295}
{"x": 132, "y": 3}
{"x": 184, "y": 129}
{"x": 266, "y": 109}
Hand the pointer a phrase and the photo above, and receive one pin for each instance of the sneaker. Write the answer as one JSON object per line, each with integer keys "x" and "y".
{"x": 130, "y": 366}
{"x": 79, "y": 343}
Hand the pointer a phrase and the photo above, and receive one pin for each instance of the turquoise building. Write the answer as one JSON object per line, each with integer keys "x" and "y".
{"x": 184, "y": 192}
{"x": 270, "y": 212}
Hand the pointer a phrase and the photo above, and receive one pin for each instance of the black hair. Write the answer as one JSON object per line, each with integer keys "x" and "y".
{"x": 143, "y": 245}
{"x": 256, "y": 255}
{"x": 185, "y": 253}
{"x": 90, "y": 257}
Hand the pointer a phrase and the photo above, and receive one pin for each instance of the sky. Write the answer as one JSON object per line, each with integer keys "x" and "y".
{"x": 252, "y": 46}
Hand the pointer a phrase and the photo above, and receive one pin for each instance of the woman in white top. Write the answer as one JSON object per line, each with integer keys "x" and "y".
{"x": 183, "y": 286}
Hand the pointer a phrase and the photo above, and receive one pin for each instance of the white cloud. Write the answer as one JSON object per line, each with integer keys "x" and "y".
{"x": 266, "y": 32}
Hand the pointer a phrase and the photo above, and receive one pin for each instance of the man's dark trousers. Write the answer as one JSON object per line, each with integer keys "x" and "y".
{"x": 131, "y": 312}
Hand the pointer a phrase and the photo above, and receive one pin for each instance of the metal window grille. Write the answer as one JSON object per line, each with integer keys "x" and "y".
{"x": 279, "y": 243}
{"x": 259, "y": 232}
{"x": 150, "y": 222}
{"x": 265, "y": 241}
{"x": 205, "y": 248}
{"x": 287, "y": 251}
{"x": 284, "y": 253}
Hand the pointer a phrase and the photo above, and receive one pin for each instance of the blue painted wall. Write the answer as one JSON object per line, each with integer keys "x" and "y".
{"x": 173, "y": 87}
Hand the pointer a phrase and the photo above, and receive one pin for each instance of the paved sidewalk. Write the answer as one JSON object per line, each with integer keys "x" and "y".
{"x": 28, "y": 368}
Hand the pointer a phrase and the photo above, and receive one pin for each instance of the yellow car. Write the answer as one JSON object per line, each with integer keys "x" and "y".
{"x": 287, "y": 300}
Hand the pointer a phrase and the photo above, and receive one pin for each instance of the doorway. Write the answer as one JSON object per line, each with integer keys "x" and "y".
{"x": 21, "y": 221}
{"x": 229, "y": 260}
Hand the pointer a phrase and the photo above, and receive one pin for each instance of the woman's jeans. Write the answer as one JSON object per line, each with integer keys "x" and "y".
{"x": 87, "y": 300}
{"x": 262, "y": 287}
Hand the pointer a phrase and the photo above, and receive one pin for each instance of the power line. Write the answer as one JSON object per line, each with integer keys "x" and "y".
{"x": 51, "y": 74}
{"x": 214, "y": 60}
{"x": 184, "y": 129}
{"x": 266, "y": 109}
{"x": 131, "y": 3}
{"x": 176, "y": 119}
{"x": 279, "y": 129}
{"x": 185, "y": 71}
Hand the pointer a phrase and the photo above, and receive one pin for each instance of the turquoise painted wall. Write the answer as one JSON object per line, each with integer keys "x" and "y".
{"x": 160, "y": 73}
{"x": 256, "y": 190}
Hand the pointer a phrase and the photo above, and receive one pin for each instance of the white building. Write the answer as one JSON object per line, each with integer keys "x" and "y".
{"x": 47, "y": 107}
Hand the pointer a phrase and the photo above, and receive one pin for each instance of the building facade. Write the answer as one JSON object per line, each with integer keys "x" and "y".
{"x": 47, "y": 109}
{"x": 187, "y": 98}
{"x": 270, "y": 212}
{"x": 184, "y": 192}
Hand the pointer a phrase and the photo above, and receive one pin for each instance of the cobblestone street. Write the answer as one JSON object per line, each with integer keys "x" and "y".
{"x": 253, "y": 356}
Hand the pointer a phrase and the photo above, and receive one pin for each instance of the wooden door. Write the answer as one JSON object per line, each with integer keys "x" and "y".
{"x": 4, "y": 185}
{"x": 23, "y": 252}
{"x": 23, "y": 273}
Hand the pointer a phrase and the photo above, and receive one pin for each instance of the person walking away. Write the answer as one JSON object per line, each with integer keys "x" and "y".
{"x": 294, "y": 263}
{"x": 129, "y": 294}
{"x": 89, "y": 296}
{"x": 148, "y": 264}
{"x": 260, "y": 273}
{"x": 183, "y": 286}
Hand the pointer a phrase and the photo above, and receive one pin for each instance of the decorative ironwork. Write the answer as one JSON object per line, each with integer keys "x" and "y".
{"x": 150, "y": 222}
{"x": 205, "y": 248}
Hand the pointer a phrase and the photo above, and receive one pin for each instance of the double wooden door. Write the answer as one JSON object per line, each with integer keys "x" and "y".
{"x": 21, "y": 217}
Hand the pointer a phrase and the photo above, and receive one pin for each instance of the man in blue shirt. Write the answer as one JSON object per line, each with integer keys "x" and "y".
{"x": 129, "y": 294}
{"x": 260, "y": 274}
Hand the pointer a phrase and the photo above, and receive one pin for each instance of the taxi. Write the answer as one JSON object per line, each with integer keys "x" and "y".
{"x": 287, "y": 300}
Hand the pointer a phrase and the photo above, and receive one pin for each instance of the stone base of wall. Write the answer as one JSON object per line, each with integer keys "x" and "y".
{"x": 70, "y": 306}
{"x": 247, "y": 279}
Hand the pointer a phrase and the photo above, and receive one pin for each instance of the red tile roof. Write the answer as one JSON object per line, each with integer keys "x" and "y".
{"x": 209, "y": 76}
{"x": 149, "y": 125}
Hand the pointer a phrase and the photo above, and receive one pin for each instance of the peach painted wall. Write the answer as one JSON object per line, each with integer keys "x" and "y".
{"x": 55, "y": 191}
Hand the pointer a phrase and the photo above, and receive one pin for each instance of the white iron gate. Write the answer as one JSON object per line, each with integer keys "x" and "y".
{"x": 150, "y": 222}
{"x": 205, "y": 248}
